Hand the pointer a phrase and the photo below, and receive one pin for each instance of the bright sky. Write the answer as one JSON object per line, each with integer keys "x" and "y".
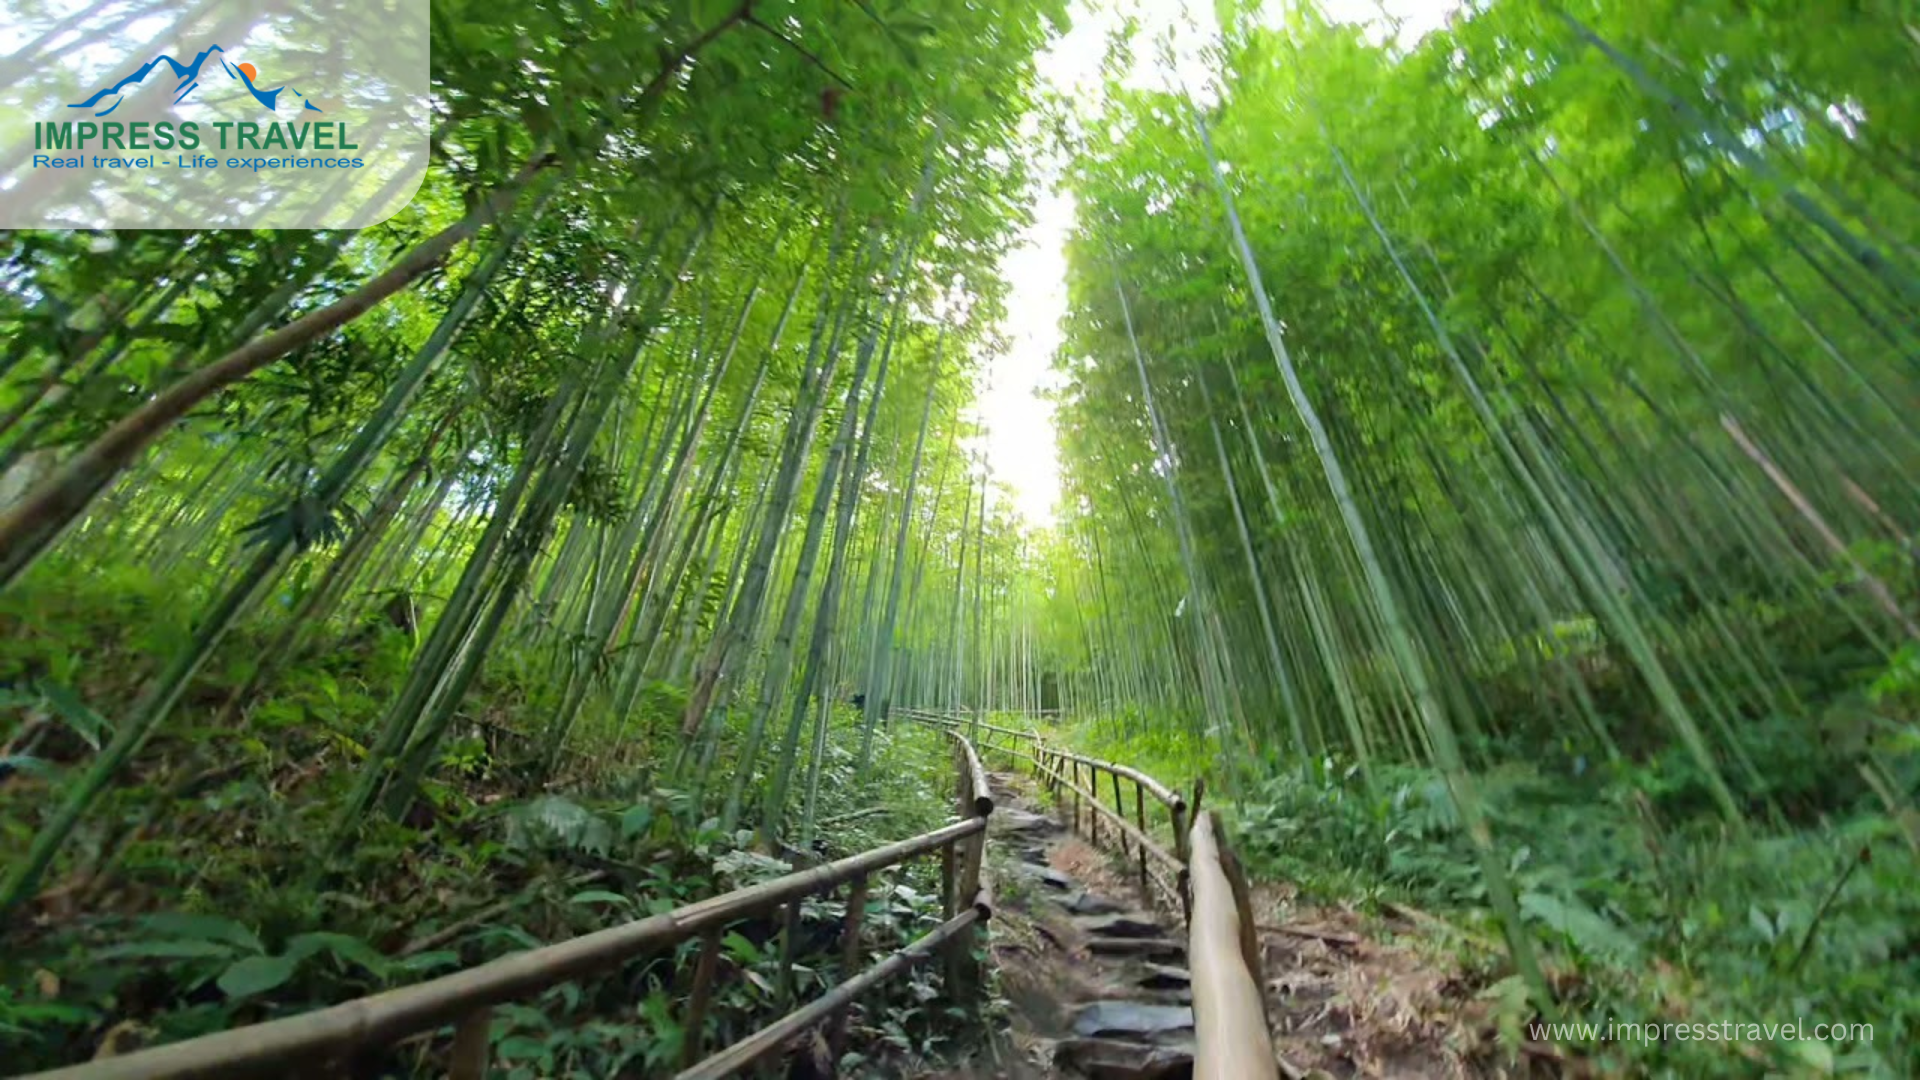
{"x": 1019, "y": 441}
{"x": 1019, "y": 445}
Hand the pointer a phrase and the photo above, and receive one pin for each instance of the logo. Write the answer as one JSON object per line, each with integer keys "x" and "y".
{"x": 253, "y": 114}
{"x": 189, "y": 80}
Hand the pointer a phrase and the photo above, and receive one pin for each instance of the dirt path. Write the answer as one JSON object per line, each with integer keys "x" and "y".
{"x": 1096, "y": 979}
{"x": 1347, "y": 1002}
{"x": 1096, "y": 983}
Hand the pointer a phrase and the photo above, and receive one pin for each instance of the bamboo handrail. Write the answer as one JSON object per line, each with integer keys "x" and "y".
{"x": 316, "y": 1038}
{"x": 977, "y": 775}
{"x": 1232, "y": 1041}
{"x": 1127, "y": 828}
{"x": 1230, "y": 1024}
{"x": 1166, "y": 795}
{"x": 923, "y": 716}
{"x": 1134, "y": 831}
{"x": 929, "y": 717}
{"x": 1176, "y": 803}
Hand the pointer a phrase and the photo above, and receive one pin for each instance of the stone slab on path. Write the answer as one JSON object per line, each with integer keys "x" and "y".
{"x": 1087, "y": 903}
{"x": 1163, "y": 977}
{"x": 1051, "y": 878}
{"x": 1077, "y": 952}
{"x": 1010, "y": 819}
{"x": 1132, "y": 1021}
{"x": 1106, "y": 1059}
{"x": 1150, "y": 948}
{"x": 1122, "y": 926}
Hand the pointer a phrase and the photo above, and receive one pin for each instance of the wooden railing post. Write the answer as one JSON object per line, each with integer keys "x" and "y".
{"x": 1140, "y": 819}
{"x": 962, "y": 976}
{"x": 849, "y": 961}
{"x": 1183, "y": 848}
{"x": 1093, "y": 795}
{"x": 694, "y": 1032}
{"x": 1072, "y": 792}
{"x": 471, "y": 1042}
{"x": 961, "y": 778}
{"x": 788, "y": 933}
{"x": 949, "y": 886}
{"x": 1183, "y": 843}
{"x": 970, "y": 858}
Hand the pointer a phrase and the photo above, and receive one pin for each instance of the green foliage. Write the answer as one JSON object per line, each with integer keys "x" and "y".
{"x": 252, "y": 933}
{"x": 1146, "y": 740}
{"x": 1719, "y": 918}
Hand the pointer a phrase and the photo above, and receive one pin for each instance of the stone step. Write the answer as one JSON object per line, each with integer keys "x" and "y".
{"x": 1121, "y": 926}
{"x": 1147, "y": 948}
{"x": 1086, "y": 903}
{"x": 1164, "y": 977}
{"x": 1054, "y": 879}
{"x": 1010, "y": 820}
{"x": 1177, "y": 995}
{"x": 1109, "y": 1059}
{"x": 1133, "y": 1021}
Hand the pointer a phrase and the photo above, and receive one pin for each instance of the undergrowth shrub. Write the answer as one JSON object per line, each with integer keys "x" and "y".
{"x": 1652, "y": 909}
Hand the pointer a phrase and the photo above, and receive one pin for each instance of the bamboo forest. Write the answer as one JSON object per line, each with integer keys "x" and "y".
{"x": 1485, "y": 493}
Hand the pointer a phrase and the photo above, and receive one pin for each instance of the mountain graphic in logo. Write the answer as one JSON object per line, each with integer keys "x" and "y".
{"x": 188, "y": 76}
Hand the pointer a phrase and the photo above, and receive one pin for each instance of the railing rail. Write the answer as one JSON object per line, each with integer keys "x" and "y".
{"x": 1233, "y": 1041}
{"x": 1078, "y": 778}
{"x": 1231, "y": 1038}
{"x": 1143, "y": 844}
{"x": 1166, "y": 795}
{"x": 925, "y": 717}
{"x": 331, "y": 1036}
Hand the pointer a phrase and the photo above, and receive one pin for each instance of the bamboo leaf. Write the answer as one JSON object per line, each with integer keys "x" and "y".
{"x": 257, "y": 975}
{"x": 600, "y": 896}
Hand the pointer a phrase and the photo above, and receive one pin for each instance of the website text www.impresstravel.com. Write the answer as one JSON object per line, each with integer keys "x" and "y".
{"x": 1574, "y": 1032}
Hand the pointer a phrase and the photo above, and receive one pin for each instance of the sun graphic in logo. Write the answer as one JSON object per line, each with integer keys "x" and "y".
{"x": 248, "y": 74}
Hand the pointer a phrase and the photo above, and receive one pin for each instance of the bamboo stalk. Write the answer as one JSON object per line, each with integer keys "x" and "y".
{"x": 1874, "y": 586}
